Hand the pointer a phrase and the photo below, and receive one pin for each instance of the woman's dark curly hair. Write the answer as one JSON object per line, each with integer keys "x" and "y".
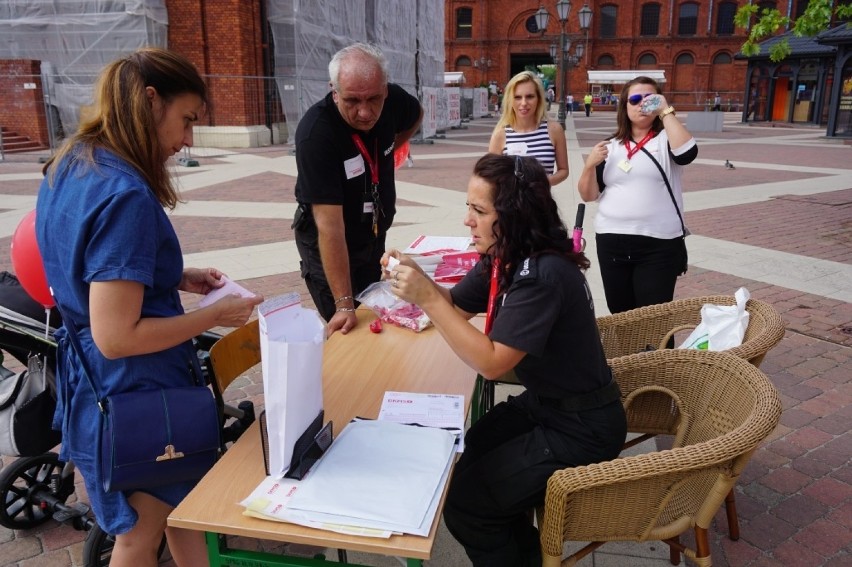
{"x": 528, "y": 222}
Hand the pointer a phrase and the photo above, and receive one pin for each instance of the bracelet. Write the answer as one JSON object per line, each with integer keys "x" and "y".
{"x": 344, "y": 298}
{"x": 345, "y": 310}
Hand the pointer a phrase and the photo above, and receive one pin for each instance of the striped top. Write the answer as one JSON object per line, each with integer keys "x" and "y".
{"x": 536, "y": 144}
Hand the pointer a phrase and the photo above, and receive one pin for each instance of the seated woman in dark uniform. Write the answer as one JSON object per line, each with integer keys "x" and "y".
{"x": 541, "y": 323}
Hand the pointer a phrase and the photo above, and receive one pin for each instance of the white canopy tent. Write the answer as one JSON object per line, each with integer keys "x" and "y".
{"x": 621, "y": 77}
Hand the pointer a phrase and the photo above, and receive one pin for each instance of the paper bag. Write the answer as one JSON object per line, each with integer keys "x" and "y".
{"x": 291, "y": 345}
{"x": 722, "y": 326}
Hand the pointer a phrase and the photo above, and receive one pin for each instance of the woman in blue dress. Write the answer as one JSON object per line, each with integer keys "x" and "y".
{"x": 114, "y": 263}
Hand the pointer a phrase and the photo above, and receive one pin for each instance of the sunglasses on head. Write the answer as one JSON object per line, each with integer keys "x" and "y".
{"x": 637, "y": 98}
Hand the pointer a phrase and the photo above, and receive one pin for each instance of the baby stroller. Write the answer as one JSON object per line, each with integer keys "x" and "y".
{"x": 34, "y": 489}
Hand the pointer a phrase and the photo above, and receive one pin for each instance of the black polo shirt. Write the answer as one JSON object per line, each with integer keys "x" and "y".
{"x": 547, "y": 313}
{"x": 326, "y": 159}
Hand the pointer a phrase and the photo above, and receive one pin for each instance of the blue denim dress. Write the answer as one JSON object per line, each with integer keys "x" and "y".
{"x": 101, "y": 222}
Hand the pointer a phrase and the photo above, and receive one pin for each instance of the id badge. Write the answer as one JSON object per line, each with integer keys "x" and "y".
{"x": 625, "y": 166}
{"x": 368, "y": 208}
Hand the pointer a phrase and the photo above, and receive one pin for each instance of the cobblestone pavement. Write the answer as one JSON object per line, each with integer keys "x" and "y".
{"x": 779, "y": 223}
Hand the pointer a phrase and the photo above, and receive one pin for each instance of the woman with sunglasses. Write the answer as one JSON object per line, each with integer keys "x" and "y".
{"x": 636, "y": 179}
{"x": 540, "y": 321}
{"x": 524, "y": 130}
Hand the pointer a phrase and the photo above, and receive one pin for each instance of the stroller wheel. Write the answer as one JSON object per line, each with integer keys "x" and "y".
{"x": 97, "y": 549}
{"x": 20, "y": 485}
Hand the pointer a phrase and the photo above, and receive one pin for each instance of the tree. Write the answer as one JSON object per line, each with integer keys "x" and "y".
{"x": 764, "y": 22}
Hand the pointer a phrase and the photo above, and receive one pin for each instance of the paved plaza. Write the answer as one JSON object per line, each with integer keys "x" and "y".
{"x": 778, "y": 222}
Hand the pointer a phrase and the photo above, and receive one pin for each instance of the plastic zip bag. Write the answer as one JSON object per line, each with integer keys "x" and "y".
{"x": 388, "y": 307}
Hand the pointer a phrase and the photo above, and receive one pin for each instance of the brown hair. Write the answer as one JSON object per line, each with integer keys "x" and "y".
{"x": 123, "y": 121}
{"x": 624, "y": 128}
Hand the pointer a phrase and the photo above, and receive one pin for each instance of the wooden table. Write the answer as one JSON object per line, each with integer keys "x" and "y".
{"x": 357, "y": 369}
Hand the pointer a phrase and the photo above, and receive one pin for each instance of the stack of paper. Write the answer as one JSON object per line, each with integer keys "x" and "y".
{"x": 377, "y": 478}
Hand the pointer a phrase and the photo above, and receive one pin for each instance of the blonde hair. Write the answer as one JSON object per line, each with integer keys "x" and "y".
{"x": 507, "y": 117}
{"x": 122, "y": 118}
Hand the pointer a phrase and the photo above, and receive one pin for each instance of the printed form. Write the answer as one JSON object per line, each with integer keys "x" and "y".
{"x": 429, "y": 410}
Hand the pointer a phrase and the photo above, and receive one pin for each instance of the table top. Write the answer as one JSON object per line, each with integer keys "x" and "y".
{"x": 357, "y": 370}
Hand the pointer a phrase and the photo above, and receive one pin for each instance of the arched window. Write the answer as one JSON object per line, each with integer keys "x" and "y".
{"x": 606, "y": 61}
{"x": 725, "y": 18}
{"x": 722, "y": 59}
{"x": 609, "y": 14}
{"x": 687, "y": 22}
{"x": 463, "y": 61}
{"x": 647, "y": 60}
{"x": 684, "y": 59}
{"x": 464, "y": 23}
{"x": 650, "y": 20}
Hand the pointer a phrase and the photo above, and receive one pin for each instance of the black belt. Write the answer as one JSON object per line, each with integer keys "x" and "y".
{"x": 581, "y": 402}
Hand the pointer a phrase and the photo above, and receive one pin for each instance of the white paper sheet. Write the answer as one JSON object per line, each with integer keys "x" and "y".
{"x": 230, "y": 287}
{"x": 379, "y": 472}
{"x": 427, "y": 244}
{"x": 430, "y": 410}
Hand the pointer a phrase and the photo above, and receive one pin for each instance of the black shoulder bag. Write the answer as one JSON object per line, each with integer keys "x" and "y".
{"x": 153, "y": 437}
{"x": 685, "y": 265}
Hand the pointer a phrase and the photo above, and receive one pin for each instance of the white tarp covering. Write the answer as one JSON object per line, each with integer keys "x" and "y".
{"x": 75, "y": 39}
{"x": 429, "y": 101}
{"x": 621, "y": 77}
{"x": 453, "y": 106}
{"x": 308, "y": 33}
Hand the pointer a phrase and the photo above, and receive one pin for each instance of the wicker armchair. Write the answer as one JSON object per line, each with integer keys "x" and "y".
{"x": 634, "y": 331}
{"x": 719, "y": 408}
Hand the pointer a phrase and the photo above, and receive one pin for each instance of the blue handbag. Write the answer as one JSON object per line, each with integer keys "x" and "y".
{"x": 155, "y": 437}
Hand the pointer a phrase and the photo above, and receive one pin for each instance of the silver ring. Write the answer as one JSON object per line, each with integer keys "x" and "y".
{"x": 395, "y": 283}
{"x": 395, "y": 276}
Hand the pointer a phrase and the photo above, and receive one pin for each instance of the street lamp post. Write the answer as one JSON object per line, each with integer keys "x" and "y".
{"x": 563, "y": 10}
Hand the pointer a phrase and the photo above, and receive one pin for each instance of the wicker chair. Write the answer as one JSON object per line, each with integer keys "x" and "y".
{"x": 719, "y": 408}
{"x": 652, "y": 326}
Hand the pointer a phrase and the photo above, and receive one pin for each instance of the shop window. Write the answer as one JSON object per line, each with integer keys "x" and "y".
{"x": 650, "y": 25}
{"x": 609, "y": 14}
{"x": 464, "y": 23}
{"x": 687, "y": 22}
{"x": 725, "y": 18}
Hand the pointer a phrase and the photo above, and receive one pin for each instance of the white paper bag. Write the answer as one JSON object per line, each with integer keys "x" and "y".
{"x": 722, "y": 326}
{"x": 291, "y": 345}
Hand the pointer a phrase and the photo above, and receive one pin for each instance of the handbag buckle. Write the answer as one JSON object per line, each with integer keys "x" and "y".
{"x": 169, "y": 454}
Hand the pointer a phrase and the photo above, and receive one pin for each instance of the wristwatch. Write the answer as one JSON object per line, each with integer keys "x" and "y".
{"x": 666, "y": 112}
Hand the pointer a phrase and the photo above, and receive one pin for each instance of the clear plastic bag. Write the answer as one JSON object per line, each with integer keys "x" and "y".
{"x": 391, "y": 309}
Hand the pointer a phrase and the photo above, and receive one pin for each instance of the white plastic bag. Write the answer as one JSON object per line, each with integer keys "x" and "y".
{"x": 722, "y": 326}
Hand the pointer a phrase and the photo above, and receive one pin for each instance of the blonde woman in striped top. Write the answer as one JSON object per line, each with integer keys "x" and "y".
{"x": 523, "y": 128}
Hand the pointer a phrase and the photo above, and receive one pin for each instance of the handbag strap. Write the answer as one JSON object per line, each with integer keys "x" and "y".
{"x": 669, "y": 187}
{"x": 71, "y": 329}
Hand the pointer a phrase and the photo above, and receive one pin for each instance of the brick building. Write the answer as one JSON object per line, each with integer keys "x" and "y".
{"x": 693, "y": 43}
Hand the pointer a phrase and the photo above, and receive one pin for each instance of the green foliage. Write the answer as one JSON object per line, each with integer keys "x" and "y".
{"x": 764, "y": 23}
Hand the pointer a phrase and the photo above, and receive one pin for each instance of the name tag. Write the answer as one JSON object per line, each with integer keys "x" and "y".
{"x": 354, "y": 166}
{"x": 516, "y": 149}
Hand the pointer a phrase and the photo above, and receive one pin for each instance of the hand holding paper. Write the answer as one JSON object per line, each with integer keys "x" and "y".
{"x": 229, "y": 288}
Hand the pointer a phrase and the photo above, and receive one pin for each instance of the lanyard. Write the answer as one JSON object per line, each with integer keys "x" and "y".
{"x": 373, "y": 164}
{"x": 492, "y": 295}
{"x": 634, "y": 150}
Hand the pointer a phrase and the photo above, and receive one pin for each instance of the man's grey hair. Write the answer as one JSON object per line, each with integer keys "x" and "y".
{"x": 360, "y": 50}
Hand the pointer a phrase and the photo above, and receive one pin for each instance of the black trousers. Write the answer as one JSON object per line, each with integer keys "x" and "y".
{"x": 588, "y": 108}
{"x": 638, "y": 270}
{"x": 502, "y": 474}
{"x": 364, "y": 268}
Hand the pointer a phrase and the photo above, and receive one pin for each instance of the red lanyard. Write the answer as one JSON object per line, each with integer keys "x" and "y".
{"x": 632, "y": 151}
{"x": 372, "y": 162}
{"x": 492, "y": 295}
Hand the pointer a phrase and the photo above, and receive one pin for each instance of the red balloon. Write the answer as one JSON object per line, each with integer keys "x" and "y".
{"x": 400, "y": 154}
{"x": 26, "y": 259}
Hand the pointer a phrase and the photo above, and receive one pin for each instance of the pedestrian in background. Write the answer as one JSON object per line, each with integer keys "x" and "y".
{"x": 636, "y": 178}
{"x": 587, "y": 103}
{"x": 345, "y": 183}
{"x": 523, "y": 128}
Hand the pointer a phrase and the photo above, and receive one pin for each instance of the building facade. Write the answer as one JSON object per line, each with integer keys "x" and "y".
{"x": 693, "y": 43}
